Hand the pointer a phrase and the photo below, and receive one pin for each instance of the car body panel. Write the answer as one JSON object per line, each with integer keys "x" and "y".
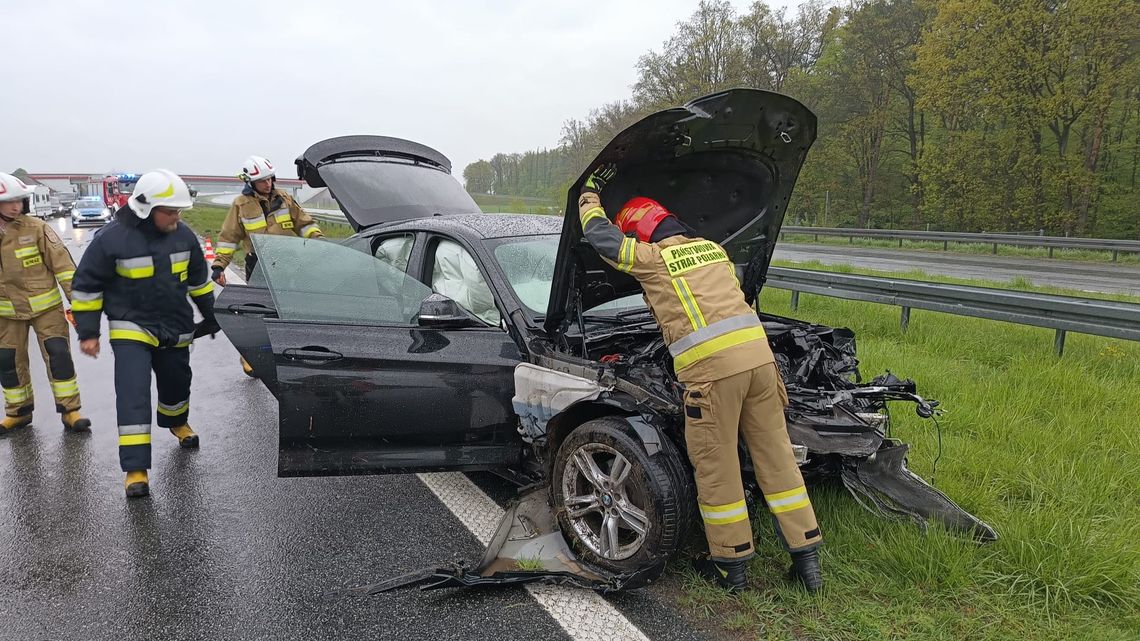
{"x": 724, "y": 164}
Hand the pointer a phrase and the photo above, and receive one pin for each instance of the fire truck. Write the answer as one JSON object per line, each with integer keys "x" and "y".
{"x": 117, "y": 188}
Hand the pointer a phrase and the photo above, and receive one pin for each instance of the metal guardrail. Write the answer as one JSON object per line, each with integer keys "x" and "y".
{"x": 1061, "y": 313}
{"x": 947, "y": 237}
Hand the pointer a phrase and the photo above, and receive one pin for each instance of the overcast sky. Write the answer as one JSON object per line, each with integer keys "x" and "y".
{"x": 196, "y": 87}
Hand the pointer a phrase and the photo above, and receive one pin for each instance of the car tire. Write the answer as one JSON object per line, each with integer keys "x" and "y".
{"x": 659, "y": 486}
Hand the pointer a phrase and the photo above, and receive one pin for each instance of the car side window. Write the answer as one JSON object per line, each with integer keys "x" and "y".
{"x": 395, "y": 251}
{"x": 319, "y": 280}
{"x": 455, "y": 274}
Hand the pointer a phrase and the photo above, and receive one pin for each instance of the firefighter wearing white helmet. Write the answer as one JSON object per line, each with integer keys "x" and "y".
{"x": 139, "y": 271}
{"x": 260, "y": 209}
{"x": 34, "y": 267}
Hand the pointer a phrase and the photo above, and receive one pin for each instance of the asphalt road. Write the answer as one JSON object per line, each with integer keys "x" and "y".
{"x": 223, "y": 549}
{"x": 1090, "y": 277}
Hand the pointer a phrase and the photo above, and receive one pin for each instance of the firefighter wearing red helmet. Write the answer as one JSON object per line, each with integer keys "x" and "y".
{"x": 733, "y": 389}
{"x": 34, "y": 267}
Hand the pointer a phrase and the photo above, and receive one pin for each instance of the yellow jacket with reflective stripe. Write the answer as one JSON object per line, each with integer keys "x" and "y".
{"x": 251, "y": 213}
{"x": 34, "y": 265}
{"x": 690, "y": 285}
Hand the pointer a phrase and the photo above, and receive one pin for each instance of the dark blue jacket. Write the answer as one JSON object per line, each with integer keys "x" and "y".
{"x": 141, "y": 276}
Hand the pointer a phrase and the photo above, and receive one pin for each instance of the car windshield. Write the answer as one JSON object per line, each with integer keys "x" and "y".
{"x": 89, "y": 203}
{"x": 528, "y": 264}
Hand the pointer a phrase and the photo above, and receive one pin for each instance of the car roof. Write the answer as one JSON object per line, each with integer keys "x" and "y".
{"x": 482, "y": 226}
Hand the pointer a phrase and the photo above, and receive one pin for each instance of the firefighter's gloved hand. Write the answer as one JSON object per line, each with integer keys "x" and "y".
{"x": 70, "y": 318}
{"x": 597, "y": 180}
{"x": 218, "y": 275}
{"x": 205, "y": 327}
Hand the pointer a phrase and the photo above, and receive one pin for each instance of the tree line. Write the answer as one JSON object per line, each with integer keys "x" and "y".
{"x": 964, "y": 115}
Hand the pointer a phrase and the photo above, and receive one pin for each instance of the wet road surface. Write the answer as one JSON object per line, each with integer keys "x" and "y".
{"x": 223, "y": 549}
{"x": 1083, "y": 276}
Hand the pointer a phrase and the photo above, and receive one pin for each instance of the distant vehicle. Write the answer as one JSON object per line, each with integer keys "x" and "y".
{"x": 66, "y": 202}
{"x": 41, "y": 205}
{"x": 90, "y": 210}
{"x": 117, "y": 188}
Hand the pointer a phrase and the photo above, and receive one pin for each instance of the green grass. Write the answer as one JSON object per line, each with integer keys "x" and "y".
{"x": 966, "y": 248}
{"x": 529, "y": 565}
{"x": 1046, "y": 450}
{"x": 517, "y": 204}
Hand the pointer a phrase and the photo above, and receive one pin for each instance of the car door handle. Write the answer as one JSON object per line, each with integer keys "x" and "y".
{"x": 311, "y": 354}
{"x": 251, "y": 308}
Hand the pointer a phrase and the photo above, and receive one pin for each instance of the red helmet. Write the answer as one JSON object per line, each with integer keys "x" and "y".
{"x": 642, "y": 215}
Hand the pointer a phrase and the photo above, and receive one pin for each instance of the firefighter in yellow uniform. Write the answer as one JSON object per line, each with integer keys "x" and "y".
{"x": 34, "y": 266}
{"x": 260, "y": 209}
{"x": 733, "y": 389}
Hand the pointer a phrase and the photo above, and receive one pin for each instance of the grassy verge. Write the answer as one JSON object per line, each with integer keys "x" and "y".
{"x": 966, "y": 248}
{"x": 516, "y": 204}
{"x": 206, "y": 220}
{"x": 1046, "y": 450}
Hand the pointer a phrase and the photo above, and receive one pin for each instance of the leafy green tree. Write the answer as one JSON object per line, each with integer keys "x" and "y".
{"x": 478, "y": 177}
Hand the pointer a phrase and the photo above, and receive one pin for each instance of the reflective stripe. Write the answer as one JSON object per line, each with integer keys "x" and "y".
{"x": 184, "y": 340}
{"x": 282, "y": 216}
{"x": 134, "y": 439}
{"x": 173, "y": 410}
{"x": 141, "y": 267}
{"x": 708, "y": 348}
{"x": 309, "y": 230}
{"x": 787, "y": 501}
{"x": 226, "y": 249}
{"x": 63, "y": 389}
{"x": 179, "y": 262}
{"x": 15, "y": 395}
{"x": 143, "y": 428}
{"x": 253, "y": 224}
{"x": 718, "y": 328}
{"x": 65, "y": 276}
{"x": 6, "y": 308}
{"x": 83, "y": 304}
{"x": 27, "y": 252}
{"x": 626, "y": 253}
{"x": 723, "y": 514}
{"x": 689, "y": 302}
{"x": 202, "y": 290}
{"x": 46, "y": 300}
{"x": 128, "y": 331}
{"x": 590, "y": 214}
{"x": 78, "y": 294}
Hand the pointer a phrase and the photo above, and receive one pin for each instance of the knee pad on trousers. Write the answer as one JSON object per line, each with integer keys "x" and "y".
{"x": 59, "y": 358}
{"x": 8, "y": 376}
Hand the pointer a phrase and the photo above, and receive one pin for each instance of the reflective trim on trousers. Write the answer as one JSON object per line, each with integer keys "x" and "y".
{"x": 134, "y": 439}
{"x": 787, "y": 501}
{"x": 64, "y": 389}
{"x": 724, "y": 514}
{"x": 175, "y": 409}
{"x": 17, "y": 395}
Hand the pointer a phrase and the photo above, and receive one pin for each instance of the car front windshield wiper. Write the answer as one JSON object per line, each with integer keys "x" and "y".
{"x": 630, "y": 313}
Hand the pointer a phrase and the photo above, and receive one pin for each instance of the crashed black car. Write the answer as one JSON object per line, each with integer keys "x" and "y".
{"x": 443, "y": 338}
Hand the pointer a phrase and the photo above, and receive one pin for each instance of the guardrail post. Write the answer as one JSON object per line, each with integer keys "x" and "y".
{"x": 900, "y": 243}
{"x": 1050, "y": 252}
{"x": 995, "y": 249}
{"x": 945, "y": 245}
{"x": 1059, "y": 343}
{"x": 904, "y": 321}
{"x": 1114, "y": 253}
{"x": 795, "y": 300}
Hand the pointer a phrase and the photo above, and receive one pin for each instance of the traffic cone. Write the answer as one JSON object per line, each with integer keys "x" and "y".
{"x": 209, "y": 250}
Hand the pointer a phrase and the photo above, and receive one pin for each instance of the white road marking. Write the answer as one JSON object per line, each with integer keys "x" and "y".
{"x": 584, "y": 615}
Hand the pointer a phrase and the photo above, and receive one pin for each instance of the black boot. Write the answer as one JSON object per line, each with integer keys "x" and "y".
{"x": 805, "y": 569}
{"x": 729, "y": 575}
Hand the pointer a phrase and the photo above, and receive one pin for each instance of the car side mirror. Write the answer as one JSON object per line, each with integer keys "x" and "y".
{"x": 440, "y": 312}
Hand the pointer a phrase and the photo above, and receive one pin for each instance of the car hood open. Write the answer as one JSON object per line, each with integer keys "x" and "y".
{"x": 725, "y": 164}
{"x": 377, "y": 179}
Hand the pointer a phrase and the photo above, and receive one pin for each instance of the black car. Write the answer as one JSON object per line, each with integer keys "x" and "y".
{"x": 443, "y": 338}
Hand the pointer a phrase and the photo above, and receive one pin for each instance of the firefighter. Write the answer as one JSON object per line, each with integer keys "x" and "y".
{"x": 733, "y": 389}
{"x": 260, "y": 209}
{"x": 34, "y": 266}
{"x": 139, "y": 270}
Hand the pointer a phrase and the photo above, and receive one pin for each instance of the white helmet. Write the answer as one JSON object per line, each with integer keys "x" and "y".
{"x": 159, "y": 188}
{"x": 12, "y": 188}
{"x": 256, "y": 168}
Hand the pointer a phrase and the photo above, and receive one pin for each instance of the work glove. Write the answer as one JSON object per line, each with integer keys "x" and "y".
{"x": 598, "y": 179}
{"x": 70, "y": 318}
{"x": 205, "y": 327}
{"x": 217, "y": 274}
